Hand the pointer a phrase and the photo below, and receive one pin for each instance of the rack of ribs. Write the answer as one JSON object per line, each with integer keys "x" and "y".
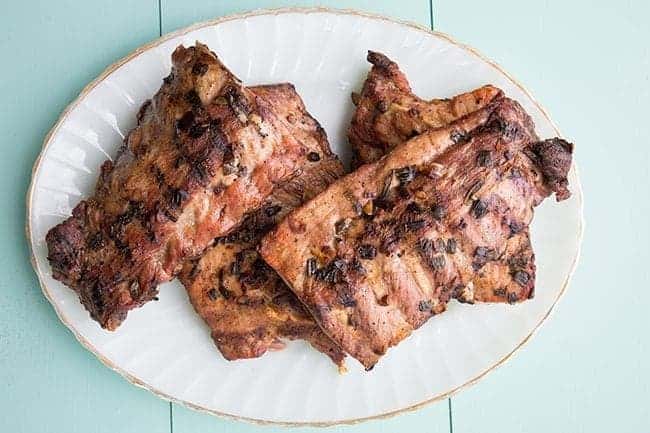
{"x": 246, "y": 305}
{"x": 206, "y": 151}
{"x": 384, "y": 248}
{"x": 387, "y": 114}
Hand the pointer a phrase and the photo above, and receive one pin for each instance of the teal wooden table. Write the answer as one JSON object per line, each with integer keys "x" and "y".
{"x": 588, "y": 62}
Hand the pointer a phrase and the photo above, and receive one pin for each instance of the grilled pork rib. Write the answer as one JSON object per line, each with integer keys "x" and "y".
{"x": 384, "y": 248}
{"x": 206, "y": 151}
{"x": 388, "y": 113}
{"x": 246, "y": 305}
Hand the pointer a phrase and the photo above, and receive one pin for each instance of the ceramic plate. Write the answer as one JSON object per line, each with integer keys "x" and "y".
{"x": 166, "y": 348}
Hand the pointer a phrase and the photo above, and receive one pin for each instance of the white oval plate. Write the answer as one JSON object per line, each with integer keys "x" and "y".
{"x": 166, "y": 348}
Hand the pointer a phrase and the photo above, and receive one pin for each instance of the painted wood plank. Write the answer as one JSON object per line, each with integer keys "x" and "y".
{"x": 588, "y": 63}
{"x": 48, "y": 382}
{"x": 430, "y": 419}
{"x": 179, "y": 13}
{"x": 176, "y": 14}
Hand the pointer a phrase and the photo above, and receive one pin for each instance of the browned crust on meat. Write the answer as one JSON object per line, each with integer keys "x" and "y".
{"x": 247, "y": 306}
{"x": 388, "y": 113}
{"x": 205, "y": 152}
{"x": 393, "y": 267}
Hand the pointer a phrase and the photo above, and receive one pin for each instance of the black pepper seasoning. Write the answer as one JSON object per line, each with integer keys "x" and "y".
{"x": 483, "y": 158}
{"x": 437, "y": 262}
{"x": 424, "y": 306}
{"x": 310, "y": 267}
{"x": 521, "y": 277}
{"x": 199, "y": 68}
{"x": 405, "y": 174}
{"x": 451, "y": 246}
{"x": 479, "y": 209}
{"x": 272, "y": 210}
{"x": 438, "y": 211}
{"x": 367, "y": 252}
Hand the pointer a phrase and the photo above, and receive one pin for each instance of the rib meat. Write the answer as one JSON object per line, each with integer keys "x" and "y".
{"x": 388, "y": 113}
{"x": 247, "y": 306}
{"x": 384, "y": 248}
{"x": 206, "y": 151}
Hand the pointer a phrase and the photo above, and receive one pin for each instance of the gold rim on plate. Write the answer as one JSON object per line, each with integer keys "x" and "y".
{"x": 138, "y": 382}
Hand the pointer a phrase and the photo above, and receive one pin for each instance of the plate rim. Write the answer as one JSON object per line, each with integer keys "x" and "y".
{"x": 279, "y": 11}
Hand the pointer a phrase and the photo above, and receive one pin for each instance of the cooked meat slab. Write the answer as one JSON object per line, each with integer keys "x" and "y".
{"x": 384, "y": 248}
{"x": 247, "y": 306}
{"x": 206, "y": 151}
{"x": 388, "y": 113}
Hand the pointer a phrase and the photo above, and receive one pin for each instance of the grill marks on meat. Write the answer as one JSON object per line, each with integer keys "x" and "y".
{"x": 375, "y": 132}
{"x": 205, "y": 152}
{"x": 388, "y": 113}
{"x": 444, "y": 215}
{"x": 245, "y": 303}
{"x": 369, "y": 305}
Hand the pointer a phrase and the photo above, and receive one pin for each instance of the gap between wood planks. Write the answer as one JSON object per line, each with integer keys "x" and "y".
{"x": 451, "y": 418}
{"x": 171, "y": 406}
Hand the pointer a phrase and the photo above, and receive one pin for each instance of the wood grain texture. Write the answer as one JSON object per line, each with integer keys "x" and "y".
{"x": 588, "y": 63}
{"x": 49, "y": 383}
